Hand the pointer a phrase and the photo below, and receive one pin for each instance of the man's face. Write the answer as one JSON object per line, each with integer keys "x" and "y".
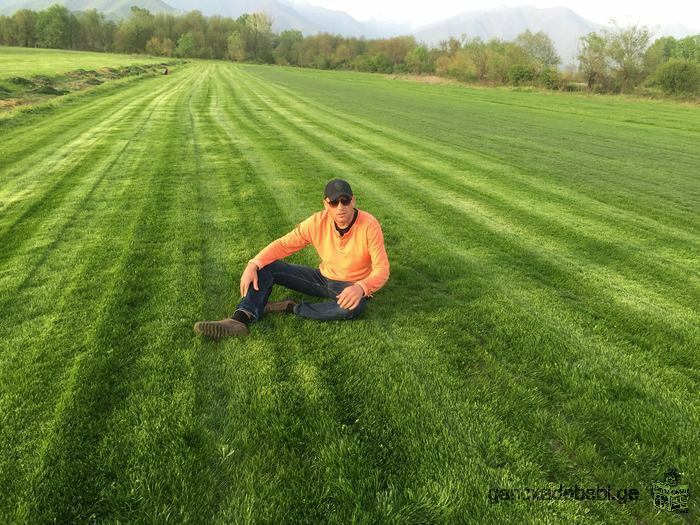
{"x": 342, "y": 214}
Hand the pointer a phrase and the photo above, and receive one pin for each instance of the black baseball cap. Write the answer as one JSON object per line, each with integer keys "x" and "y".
{"x": 337, "y": 188}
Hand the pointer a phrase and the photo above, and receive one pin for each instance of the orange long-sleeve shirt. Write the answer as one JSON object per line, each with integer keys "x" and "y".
{"x": 358, "y": 256}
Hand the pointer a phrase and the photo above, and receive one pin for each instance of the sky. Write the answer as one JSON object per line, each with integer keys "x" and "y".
{"x": 667, "y": 12}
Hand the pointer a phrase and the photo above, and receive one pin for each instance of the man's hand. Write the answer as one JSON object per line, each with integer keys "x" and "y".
{"x": 250, "y": 275}
{"x": 350, "y": 297}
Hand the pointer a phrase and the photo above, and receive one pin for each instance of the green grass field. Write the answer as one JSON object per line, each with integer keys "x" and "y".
{"x": 540, "y": 327}
{"x": 24, "y": 61}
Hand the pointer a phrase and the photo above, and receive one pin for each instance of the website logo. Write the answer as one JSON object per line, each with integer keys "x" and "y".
{"x": 669, "y": 495}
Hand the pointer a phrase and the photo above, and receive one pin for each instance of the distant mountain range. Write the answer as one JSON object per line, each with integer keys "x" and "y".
{"x": 306, "y": 18}
{"x": 115, "y": 8}
{"x": 562, "y": 25}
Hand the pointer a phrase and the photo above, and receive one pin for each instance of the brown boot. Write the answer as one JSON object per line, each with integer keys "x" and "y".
{"x": 220, "y": 329}
{"x": 281, "y": 307}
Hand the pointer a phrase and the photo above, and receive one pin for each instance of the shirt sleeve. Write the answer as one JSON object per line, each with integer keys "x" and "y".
{"x": 380, "y": 261}
{"x": 294, "y": 241}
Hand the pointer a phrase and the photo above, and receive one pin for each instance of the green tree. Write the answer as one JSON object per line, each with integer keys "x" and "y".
{"x": 96, "y": 31}
{"x": 236, "y": 46}
{"x": 217, "y": 32}
{"x": 661, "y": 51}
{"x": 7, "y": 31}
{"x": 502, "y": 57}
{"x": 450, "y": 46}
{"x": 380, "y": 63}
{"x": 53, "y": 27}
{"x": 539, "y": 48}
{"x": 195, "y": 24}
{"x": 285, "y": 50}
{"x": 478, "y": 55}
{"x": 24, "y": 22}
{"x": 458, "y": 66}
{"x": 678, "y": 77}
{"x": 592, "y": 59}
{"x": 165, "y": 26}
{"x": 419, "y": 61}
{"x": 626, "y": 47}
{"x": 519, "y": 74}
{"x": 185, "y": 46}
{"x": 163, "y": 47}
{"x": 134, "y": 32}
{"x": 688, "y": 48}
{"x": 318, "y": 50}
{"x": 392, "y": 50}
{"x": 259, "y": 37}
{"x": 342, "y": 56}
{"x": 550, "y": 78}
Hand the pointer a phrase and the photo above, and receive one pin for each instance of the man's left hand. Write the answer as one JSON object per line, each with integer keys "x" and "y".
{"x": 350, "y": 297}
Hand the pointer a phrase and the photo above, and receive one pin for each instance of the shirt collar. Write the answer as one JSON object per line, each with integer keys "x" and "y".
{"x": 345, "y": 230}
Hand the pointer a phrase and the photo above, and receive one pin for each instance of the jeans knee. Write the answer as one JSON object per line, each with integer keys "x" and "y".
{"x": 271, "y": 270}
{"x": 272, "y": 267}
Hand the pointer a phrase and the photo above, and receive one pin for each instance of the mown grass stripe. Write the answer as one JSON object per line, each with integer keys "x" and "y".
{"x": 59, "y": 129}
{"x": 368, "y": 492}
{"x": 154, "y": 420}
{"x": 101, "y": 383}
{"x": 442, "y": 126}
{"x": 485, "y": 361}
{"x": 34, "y": 176}
{"x": 66, "y": 241}
{"x": 307, "y": 145}
{"x": 427, "y": 155}
{"x": 58, "y": 123}
{"x": 351, "y": 375}
{"x": 579, "y": 245}
{"x": 487, "y": 170}
{"x": 276, "y": 422}
{"x": 76, "y": 360}
{"x": 35, "y": 258}
{"x": 535, "y": 246}
{"x": 680, "y": 396}
{"x": 259, "y": 162}
{"x": 272, "y": 424}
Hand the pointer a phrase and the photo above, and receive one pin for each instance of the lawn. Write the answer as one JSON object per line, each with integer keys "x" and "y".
{"x": 540, "y": 326}
{"x": 24, "y": 61}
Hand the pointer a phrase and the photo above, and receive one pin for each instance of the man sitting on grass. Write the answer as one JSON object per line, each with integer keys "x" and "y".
{"x": 354, "y": 265}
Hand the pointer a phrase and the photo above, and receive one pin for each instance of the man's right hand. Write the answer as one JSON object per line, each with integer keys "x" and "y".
{"x": 250, "y": 275}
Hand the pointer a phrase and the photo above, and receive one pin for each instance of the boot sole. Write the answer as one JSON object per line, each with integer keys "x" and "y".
{"x": 214, "y": 330}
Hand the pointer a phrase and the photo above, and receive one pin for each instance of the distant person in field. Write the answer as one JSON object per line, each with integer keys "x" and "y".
{"x": 353, "y": 266}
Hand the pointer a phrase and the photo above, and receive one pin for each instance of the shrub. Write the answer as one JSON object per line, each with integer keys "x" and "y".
{"x": 520, "y": 74}
{"x": 550, "y": 79}
{"x": 574, "y": 87}
{"x": 380, "y": 63}
{"x": 678, "y": 77}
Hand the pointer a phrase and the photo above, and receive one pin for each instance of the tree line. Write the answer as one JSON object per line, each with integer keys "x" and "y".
{"x": 615, "y": 60}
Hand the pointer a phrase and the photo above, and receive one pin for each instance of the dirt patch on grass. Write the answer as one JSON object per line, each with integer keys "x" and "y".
{"x": 9, "y": 103}
{"x": 20, "y": 91}
{"x": 425, "y": 79}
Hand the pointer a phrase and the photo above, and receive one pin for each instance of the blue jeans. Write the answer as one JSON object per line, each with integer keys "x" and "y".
{"x": 301, "y": 279}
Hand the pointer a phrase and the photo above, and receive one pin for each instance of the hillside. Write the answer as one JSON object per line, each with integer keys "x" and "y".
{"x": 562, "y": 25}
{"x": 117, "y": 8}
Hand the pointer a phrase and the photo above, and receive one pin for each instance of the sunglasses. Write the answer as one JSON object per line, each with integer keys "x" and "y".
{"x": 345, "y": 200}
